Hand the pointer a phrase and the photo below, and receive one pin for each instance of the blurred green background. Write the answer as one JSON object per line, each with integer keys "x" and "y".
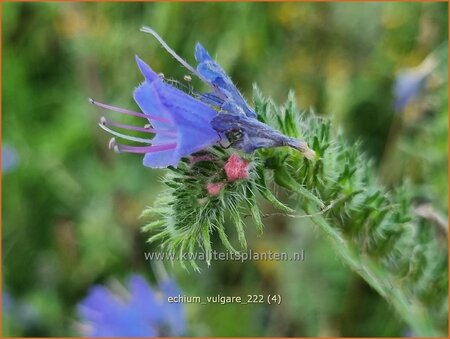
{"x": 71, "y": 206}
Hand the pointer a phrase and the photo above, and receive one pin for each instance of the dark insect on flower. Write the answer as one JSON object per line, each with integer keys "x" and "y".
{"x": 183, "y": 124}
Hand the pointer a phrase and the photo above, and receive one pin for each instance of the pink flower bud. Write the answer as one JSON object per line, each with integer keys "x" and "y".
{"x": 236, "y": 168}
{"x": 214, "y": 188}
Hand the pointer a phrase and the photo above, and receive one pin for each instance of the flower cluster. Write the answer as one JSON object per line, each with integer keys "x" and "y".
{"x": 181, "y": 124}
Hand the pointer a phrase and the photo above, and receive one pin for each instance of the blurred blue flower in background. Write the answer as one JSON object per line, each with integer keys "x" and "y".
{"x": 410, "y": 82}
{"x": 19, "y": 315}
{"x": 137, "y": 311}
{"x": 9, "y": 158}
{"x": 6, "y": 302}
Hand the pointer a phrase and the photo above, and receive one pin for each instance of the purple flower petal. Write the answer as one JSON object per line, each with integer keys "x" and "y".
{"x": 160, "y": 159}
{"x": 147, "y": 96}
{"x": 174, "y": 311}
{"x": 408, "y": 85}
{"x": 7, "y": 302}
{"x": 142, "y": 314}
{"x": 146, "y": 71}
{"x": 189, "y": 117}
{"x": 201, "y": 54}
{"x": 216, "y": 76}
{"x": 100, "y": 302}
{"x": 9, "y": 159}
{"x": 143, "y": 299}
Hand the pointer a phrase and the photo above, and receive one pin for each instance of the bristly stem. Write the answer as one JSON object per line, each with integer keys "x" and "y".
{"x": 374, "y": 232}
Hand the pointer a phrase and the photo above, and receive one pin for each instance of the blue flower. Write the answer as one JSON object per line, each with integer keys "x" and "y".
{"x": 224, "y": 88}
{"x": 138, "y": 312}
{"x": 410, "y": 82}
{"x": 9, "y": 159}
{"x": 408, "y": 85}
{"x": 19, "y": 315}
{"x": 7, "y": 302}
{"x": 180, "y": 123}
{"x": 183, "y": 124}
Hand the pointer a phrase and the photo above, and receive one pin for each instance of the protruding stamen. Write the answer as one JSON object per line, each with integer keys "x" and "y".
{"x": 144, "y": 149}
{"x": 126, "y": 111}
{"x": 161, "y": 75}
{"x": 124, "y": 136}
{"x": 147, "y": 126}
{"x": 144, "y": 129}
{"x": 172, "y": 52}
{"x": 187, "y": 78}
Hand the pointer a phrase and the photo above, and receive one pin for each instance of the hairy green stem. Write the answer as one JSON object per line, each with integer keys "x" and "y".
{"x": 410, "y": 310}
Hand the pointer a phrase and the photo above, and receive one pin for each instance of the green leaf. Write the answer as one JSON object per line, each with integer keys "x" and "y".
{"x": 267, "y": 194}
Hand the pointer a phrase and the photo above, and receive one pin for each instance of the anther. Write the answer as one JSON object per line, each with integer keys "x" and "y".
{"x": 112, "y": 143}
{"x": 187, "y": 78}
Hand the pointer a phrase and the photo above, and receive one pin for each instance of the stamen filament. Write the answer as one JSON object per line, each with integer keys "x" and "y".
{"x": 144, "y": 149}
{"x": 126, "y": 111}
{"x": 124, "y": 136}
{"x": 146, "y": 129}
